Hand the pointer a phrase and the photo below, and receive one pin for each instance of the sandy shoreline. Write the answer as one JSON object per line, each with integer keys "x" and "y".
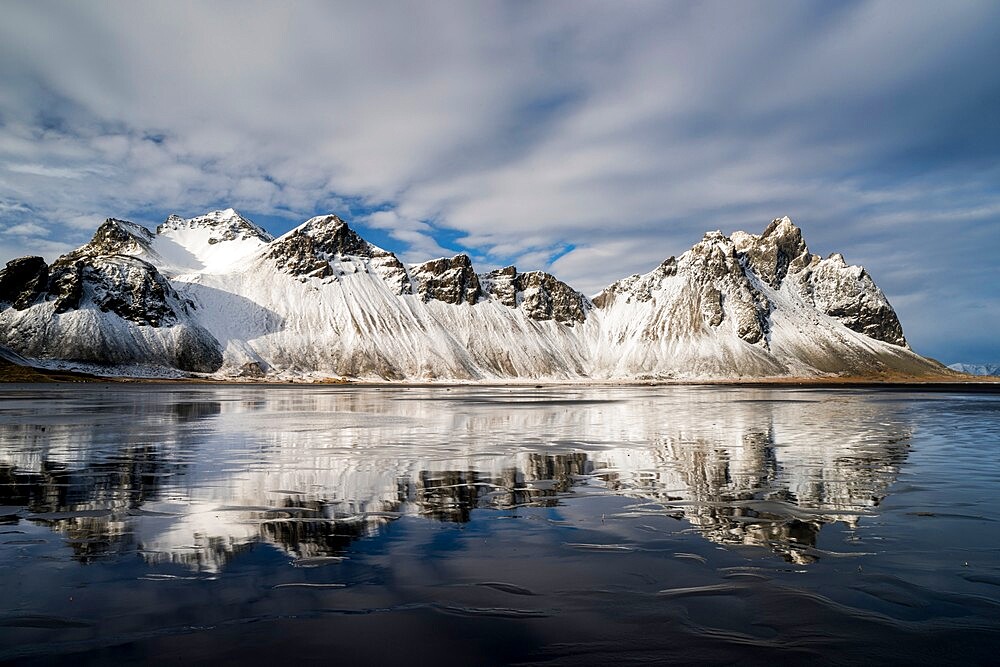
{"x": 13, "y": 373}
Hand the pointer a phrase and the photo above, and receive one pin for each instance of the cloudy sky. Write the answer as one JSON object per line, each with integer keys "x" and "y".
{"x": 588, "y": 139}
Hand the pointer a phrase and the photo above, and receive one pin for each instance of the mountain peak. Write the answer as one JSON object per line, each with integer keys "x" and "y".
{"x": 116, "y": 225}
{"x": 329, "y": 234}
{"x": 780, "y": 255}
{"x": 322, "y": 222}
{"x": 221, "y": 215}
{"x": 116, "y": 237}
{"x": 782, "y": 225}
{"x": 308, "y": 250}
{"x": 224, "y": 225}
{"x": 771, "y": 253}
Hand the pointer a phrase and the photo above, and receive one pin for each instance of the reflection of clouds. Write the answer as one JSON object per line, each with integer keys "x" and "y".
{"x": 197, "y": 476}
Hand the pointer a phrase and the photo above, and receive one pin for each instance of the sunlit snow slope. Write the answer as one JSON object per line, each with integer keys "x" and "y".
{"x": 217, "y": 295}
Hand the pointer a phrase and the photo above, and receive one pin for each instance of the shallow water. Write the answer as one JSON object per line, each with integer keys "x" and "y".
{"x": 671, "y": 525}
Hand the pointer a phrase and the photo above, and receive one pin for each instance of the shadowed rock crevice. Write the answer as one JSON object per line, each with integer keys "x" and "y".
{"x": 23, "y": 281}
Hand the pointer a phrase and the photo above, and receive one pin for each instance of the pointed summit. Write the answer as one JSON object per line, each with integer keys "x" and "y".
{"x": 309, "y": 250}
{"x": 847, "y": 293}
{"x": 781, "y": 226}
{"x": 320, "y": 222}
{"x": 329, "y": 235}
{"x": 211, "y": 242}
{"x": 116, "y": 237}
{"x": 771, "y": 253}
{"x": 222, "y": 225}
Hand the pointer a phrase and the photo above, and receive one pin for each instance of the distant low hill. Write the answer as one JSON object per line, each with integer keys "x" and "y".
{"x": 977, "y": 369}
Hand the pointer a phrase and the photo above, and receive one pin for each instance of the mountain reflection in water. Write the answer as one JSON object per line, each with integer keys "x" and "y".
{"x": 198, "y": 475}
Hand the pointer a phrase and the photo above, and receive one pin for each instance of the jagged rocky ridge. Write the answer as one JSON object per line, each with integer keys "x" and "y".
{"x": 216, "y": 294}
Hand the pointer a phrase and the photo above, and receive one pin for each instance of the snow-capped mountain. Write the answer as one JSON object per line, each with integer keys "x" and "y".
{"x": 976, "y": 369}
{"x": 218, "y": 295}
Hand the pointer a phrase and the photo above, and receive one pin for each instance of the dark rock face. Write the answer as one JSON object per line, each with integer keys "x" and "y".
{"x": 543, "y": 297}
{"x": 197, "y": 351}
{"x": 540, "y": 295}
{"x": 308, "y": 251}
{"x": 711, "y": 306}
{"x": 332, "y": 236}
{"x": 66, "y": 284}
{"x": 845, "y": 292}
{"x": 849, "y": 294}
{"x": 724, "y": 288}
{"x": 23, "y": 281}
{"x": 127, "y": 286}
{"x": 113, "y": 238}
{"x": 775, "y": 250}
{"x": 103, "y": 276}
{"x": 449, "y": 280}
{"x": 132, "y": 289}
{"x": 117, "y": 237}
{"x": 298, "y": 255}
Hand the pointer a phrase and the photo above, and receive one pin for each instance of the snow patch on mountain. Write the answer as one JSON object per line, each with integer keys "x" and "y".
{"x": 209, "y": 243}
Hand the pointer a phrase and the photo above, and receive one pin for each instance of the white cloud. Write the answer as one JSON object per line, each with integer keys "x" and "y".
{"x": 416, "y": 234}
{"x": 26, "y": 229}
{"x": 42, "y": 170}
